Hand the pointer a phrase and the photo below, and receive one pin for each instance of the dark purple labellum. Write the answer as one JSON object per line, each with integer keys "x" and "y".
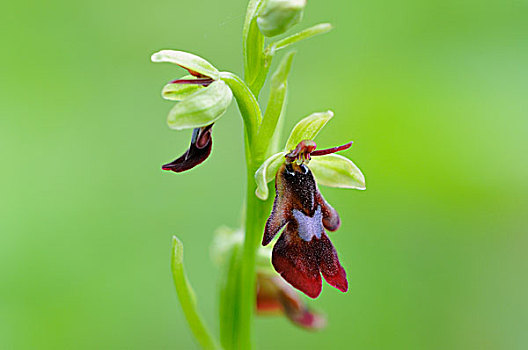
{"x": 303, "y": 251}
{"x": 199, "y": 150}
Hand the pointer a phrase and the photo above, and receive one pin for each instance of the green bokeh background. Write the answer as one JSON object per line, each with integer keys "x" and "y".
{"x": 433, "y": 93}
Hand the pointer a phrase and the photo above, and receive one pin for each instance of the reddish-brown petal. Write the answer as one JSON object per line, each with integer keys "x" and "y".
{"x": 331, "y": 220}
{"x": 278, "y": 217}
{"x": 323, "y": 152}
{"x": 331, "y": 269}
{"x": 297, "y": 262}
{"x": 282, "y": 207}
{"x": 196, "y": 74}
{"x": 198, "y": 81}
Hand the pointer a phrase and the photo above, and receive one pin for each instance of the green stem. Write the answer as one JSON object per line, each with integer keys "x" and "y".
{"x": 247, "y": 104}
{"x": 256, "y": 211}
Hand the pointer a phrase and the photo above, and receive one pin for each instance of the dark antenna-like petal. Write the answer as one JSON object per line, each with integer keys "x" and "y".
{"x": 331, "y": 220}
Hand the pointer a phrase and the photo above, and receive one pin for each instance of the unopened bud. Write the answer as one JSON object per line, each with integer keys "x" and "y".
{"x": 278, "y": 16}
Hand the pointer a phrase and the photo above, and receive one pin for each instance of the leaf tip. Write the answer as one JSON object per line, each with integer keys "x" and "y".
{"x": 177, "y": 250}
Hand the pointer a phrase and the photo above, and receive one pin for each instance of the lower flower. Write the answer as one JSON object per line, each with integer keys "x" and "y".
{"x": 274, "y": 296}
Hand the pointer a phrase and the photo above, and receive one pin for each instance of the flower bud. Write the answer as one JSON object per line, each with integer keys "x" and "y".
{"x": 278, "y": 16}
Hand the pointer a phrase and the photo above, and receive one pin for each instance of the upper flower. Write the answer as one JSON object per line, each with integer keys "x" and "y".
{"x": 203, "y": 99}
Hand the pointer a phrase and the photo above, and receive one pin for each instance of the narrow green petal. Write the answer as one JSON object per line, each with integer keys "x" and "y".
{"x": 335, "y": 170}
{"x": 308, "y": 128}
{"x": 201, "y": 108}
{"x": 266, "y": 173}
{"x": 302, "y": 35}
{"x": 187, "y": 61}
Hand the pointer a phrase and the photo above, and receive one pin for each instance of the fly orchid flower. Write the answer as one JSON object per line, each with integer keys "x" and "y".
{"x": 203, "y": 98}
{"x": 274, "y": 296}
{"x": 303, "y": 251}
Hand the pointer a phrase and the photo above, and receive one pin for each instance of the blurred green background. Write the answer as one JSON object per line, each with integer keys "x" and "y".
{"x": 433, "y": 93}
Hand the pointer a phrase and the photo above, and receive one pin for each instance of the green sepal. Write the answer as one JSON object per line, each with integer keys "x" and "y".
{"x": 335, "y": 170}
{"x": 188, "y": 61}
{"x": 308, "y": 128}
{"x": 179, "y": 92}
{"x": 302, "y": 35}
{"x": 266, "y": 173}
{"x": 201, "y": 108}
{"x": 277, "y": 16}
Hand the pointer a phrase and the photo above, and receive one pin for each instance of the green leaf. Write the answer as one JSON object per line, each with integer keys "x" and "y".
{"x": 308, "y": 128}
{"x": 278, "y": 16}
{"x": 335, "y": 170}
{"x": 188, "y": 61}
{"x": 179, "y": 92}
{"x": 188, "y": 299}
{"x": 266, "y": 173}
{"x": 201, "y": 108}
{"x": 276, "y": 100}
{"x": 302, "y": 35}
